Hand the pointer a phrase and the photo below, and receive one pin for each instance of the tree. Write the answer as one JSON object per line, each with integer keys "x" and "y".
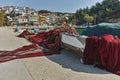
{"x": 89, "y": 19}
{"x": 2, "y": 19}
{"x": 44, "y": 11}
{"x": 106, "y": 11}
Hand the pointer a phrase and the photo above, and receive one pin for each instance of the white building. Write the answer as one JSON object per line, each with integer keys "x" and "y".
{"x": 23, "y": 19}
{"x": 51, "y": 19}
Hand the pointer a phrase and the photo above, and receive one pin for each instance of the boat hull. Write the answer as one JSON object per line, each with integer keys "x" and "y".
{"x": 74, "y": 44}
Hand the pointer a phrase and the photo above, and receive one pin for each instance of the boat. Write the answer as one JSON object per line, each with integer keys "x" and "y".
{"x": 74, "y": 42}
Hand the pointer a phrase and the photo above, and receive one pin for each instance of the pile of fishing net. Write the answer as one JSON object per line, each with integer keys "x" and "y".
{"x": 104, "y": 52}
{"x": 103, "y": 28}
{"x": 43, "y": 43}
{"x": 26, "y": 33}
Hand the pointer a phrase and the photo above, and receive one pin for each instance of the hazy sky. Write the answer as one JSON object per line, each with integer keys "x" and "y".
{"x": 52, "y": 5}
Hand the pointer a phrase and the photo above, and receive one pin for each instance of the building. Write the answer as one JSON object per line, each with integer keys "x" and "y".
{"x": 42, "y": 18}
{"x": 51, "y": 19}
{"x": 23, "y": 19}
{"x": 33, "y": 19}
{"x": 25, "y": 15}
{"x": 0, "y": 8}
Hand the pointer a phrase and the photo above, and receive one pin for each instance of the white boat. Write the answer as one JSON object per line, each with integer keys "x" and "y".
{"x": 74, "y": 43}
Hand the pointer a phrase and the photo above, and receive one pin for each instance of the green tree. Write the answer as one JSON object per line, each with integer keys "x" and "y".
{"x": 44, "y": 11}
{"x": 2, "y": 19}
{"x": 89, "y": 19}
{"x": 106, "y": 11}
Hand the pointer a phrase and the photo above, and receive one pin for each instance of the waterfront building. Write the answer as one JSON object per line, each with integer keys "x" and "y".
{"x": 33, "y": 19}
{"x": 23, "y": 19}
{"x": 42, "y": 18}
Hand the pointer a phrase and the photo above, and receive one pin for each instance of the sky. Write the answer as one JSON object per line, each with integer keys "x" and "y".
{"x": 51, "y": 5}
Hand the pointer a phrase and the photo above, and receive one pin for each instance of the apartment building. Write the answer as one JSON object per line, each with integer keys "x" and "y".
{"x": 23, "y": 19}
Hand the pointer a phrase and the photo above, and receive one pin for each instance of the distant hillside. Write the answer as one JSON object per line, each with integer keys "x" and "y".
{"x": 46, "y": 11}
{"x": 106, "y": 11}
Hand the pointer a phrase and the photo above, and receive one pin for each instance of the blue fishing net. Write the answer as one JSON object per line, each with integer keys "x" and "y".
{"x": 103, "y": 28}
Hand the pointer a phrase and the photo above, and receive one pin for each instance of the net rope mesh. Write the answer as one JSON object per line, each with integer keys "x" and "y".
{"x": 103, "y": 28}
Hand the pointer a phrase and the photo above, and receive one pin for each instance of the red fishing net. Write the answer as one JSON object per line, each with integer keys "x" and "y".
{"x": 25, "y": 33}
{"x": 105, "y": 51}
{"x": 43, "y": 43}
{"x": 42, "y": 46}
